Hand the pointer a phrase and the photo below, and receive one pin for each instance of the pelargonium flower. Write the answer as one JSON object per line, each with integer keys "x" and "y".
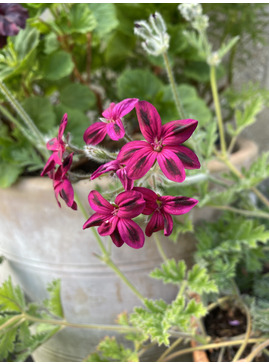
{"x": 12, "y": 18}
{"x": 57, "y": 146}
{"x": 61, "y": 184}
{"x": 118, "y": 168}
{"x": 114, "y": 219}
{"x": 161, "y": 208}
{"x": 163, "y": 144}
{"x": 110, "y": 124}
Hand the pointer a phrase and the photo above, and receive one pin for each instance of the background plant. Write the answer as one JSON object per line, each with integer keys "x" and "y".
{"x": 232, "y": 252}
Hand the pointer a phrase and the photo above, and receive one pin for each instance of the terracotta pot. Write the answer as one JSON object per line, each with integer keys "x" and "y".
{"x": 42, "y": 242}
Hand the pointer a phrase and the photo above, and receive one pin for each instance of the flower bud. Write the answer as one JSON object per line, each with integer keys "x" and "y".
{"x": 214, "y": 59}
{"x": 156, "y": 39}
{"x": 99, "y": 154}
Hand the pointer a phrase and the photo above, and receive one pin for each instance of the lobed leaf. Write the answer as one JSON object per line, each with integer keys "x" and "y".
{"x": 170, "y": 272}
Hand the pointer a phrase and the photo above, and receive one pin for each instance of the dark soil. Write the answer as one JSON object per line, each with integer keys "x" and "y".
{"x": 223, "y": 324}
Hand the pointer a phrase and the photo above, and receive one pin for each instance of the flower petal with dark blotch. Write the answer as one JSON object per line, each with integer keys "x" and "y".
{"x": 131, "y": 233}
{"x": 108, "y": 226}
{"x": 99, "y": 204}
{"x": 95, "y": 133}
{"x": 141, "y": 162}
{"x": 67, "y": 193}
{"x": 178, "y": 131}
{"x": 116, "y": 238}
{"x": 62, "y": 127}
{"x": 127, "y": 182}
{"x": 171, "y": 165}
{"x": 129, "y": 149}
{"x": 115, "y": 130}
{"x": 105, "y": 168}
{"x": 48, "y": 166}
{"x": 123, "y": 108}
{"x": 187, "y": 157}
{"x": 155, "y": 223}
{"x": 177, "y": 205}
{"x": 108, "y": 113}
{"x": 149, "y": 121}
{"x": 168, "y": 223}
{"x": 131, "y": 204}
{"x": 150, "y": 198}
{"x": 95, "y": 220}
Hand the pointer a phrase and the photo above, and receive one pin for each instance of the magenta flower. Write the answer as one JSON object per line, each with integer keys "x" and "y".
{"x": 115, "y": 167}
{"x": 61, "y": 184}
{"x": 161, "y": 208}
{"x": 111, "y": 124}
{"x": 57, "y": 146}
{"x": 115, "y": 219}
{"x": 12, "y": 18}
{"x": 163, "y": 144}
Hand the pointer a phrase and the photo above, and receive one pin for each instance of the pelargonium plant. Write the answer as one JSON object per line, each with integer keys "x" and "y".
{"x": 161, "y": 155}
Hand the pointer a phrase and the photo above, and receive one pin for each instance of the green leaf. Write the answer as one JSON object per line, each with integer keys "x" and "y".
{"x": 9, "y": 173}
{"x": 226, "y": 47}
{"x": 81, "y": 19}
{"x": 110, "y": 348}
{"x": 11, "y": 297}
{"x": 248, "y": 115}
{"x": 118, "y": 50}
{"x": 7, "y": 343}
{"x": 77, "y": 96}
{"x": 150, "y": 320}
{"x": 138, "y": 83}
{"x": 170, "y": 272}
{"x": 51, "y": 43}
{"x": 57, "y": 65}
{"x": 54, "y": 303}
{"x": 41, "y": 111}
{"x": 105, "y": 14}
{"x": 199, "y": 281}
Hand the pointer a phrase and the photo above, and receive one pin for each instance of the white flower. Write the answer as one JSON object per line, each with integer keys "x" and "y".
{"x": 190, "y": 11}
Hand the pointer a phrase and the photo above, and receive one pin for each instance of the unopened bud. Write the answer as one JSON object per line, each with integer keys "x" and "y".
{"x": 214, "y": 59}
{"x": 190, "y": 11}
{"x": 99, "y": 154}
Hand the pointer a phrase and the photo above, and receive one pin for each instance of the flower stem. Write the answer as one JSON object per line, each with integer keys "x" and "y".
{"x": 173, "y": 85}
{"x": 261, "y": 214}
{"x": 159, "y": 246}
{"x": 257, "y": 350}
{"x": 212, "y": 346}
{"x": 25, "y": 117}
{"x": 170, "y": 348}
{"x": 248, "y": 332}
{"x": 79, "y": 326}
{"x": 214, "y": 89}
{"x": 106, "y": 258}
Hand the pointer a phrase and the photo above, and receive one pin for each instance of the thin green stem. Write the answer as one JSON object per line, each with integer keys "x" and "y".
{"x": 218, "y": 302}
{"x": 159, "y": 247}
{"x": 79, "y": 326}
{"x": 232, "y": 143}
{"x": 257, "y": 350}
{"x": 214, "y": 89}
{"x": 171, "y": 347}
{"x": 248, "y": 213}
{"x": 106, "y": 258}
{"x": 12, "y": 320}
{"x": 248, "y": 333}
{"x": 25, "y": 117}
{"x": 211, "y": 346}
{"x": 173, "y": 85}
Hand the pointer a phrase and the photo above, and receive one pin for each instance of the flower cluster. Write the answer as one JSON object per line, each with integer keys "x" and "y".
{"x": 162, "y": 153}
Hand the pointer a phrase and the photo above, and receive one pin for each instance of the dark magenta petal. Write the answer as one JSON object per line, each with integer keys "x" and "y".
{"x": 131, "y": 233}
{"x": 129, "y": 149}
{"x": 108, "y": 226}
{"x": 105, "y": 168}
{"x": 149, "y": 121}
{"x": 141, "y": 162}
{"x": 178, "y": 131}
{"x": 188, "y": 158}
{"x": 131, "y": 204}
{"x": 99, "y": 204}
{"x": 150, "y": 198}
{"x": 127, "y": 182}
{"x": 108, "y": 113}
{"x": 177, "y": 205}
{"x": 95, "y": 133}
{"x": 95, "y": 220}
{"x": 62, "y": 127}
{"x": 171, "y": 165}
{"x": 123, "y": 108}
{"x": 67, "y": 162}
{"x": 53, "y": 144}
{"x": 115, "y": 130}
{"x": 49, "y": 166}
{"x": 156, "y": 223}
{"x": 168, "y": 224}
{"x": 116, "y": 238}
{"x": 67, "y": 193}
